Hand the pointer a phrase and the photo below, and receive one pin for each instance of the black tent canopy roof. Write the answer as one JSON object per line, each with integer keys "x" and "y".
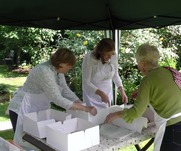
{"x": 90, "y": 14}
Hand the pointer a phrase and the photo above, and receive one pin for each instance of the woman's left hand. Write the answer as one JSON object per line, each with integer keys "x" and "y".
{"x": 92, "y": 110}
{"x": 123, "y": 95}
{"x": 124, "y": 98}
{"x": 112, "y": 116}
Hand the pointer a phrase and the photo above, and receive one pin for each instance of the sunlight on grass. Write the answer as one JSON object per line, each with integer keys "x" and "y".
{"x": 143, "y": 143}
{"x": 10, "y": 79}
{"x": 13, "y": 83}
{"x": 132, "y": 148}
{"x": 4, "y": 73}
{"x": 18, "y": 81}
{"x": 7, "y": 135}
{"x": 129, "y": 148}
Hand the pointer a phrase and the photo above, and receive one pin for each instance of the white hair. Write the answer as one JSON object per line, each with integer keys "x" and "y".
{"x": 147, "y": 53}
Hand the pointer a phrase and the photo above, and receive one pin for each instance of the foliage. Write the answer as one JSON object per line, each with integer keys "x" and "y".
{"x": 80, "y": 42}
{"x": 83, "y": 41}
{"x": 127, "y": 65}
{"x": 33, "y": 45}
{"x": 171, "y": 44}
{"x": 3, "y": 89}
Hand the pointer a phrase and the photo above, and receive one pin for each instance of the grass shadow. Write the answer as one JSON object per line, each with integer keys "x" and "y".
{"x": 5, "y": 73}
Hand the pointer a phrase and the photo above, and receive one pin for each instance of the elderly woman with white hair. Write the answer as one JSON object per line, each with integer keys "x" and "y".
{"x": 160, "y": 90}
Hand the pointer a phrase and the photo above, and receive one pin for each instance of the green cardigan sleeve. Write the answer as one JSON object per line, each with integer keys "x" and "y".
{"x": 140, "y": 104}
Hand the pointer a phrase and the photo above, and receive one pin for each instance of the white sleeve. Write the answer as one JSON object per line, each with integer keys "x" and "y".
{"x": 116, "y": 78}
{"x": 46, "y": 79}
{"x": 87, "y": 72}
{"x": 66, "y": 91}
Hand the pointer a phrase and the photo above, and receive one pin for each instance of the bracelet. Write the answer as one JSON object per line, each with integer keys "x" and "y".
{"x": 120, "y": 88}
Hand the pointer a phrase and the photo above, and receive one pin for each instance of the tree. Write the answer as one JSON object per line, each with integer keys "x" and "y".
{"x": 34, "y": 45}
{"x": 31, "y": 45}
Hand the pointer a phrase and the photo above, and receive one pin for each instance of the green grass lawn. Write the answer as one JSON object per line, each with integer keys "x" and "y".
{"x": 10, "y": 81}
{"x": 3, "y": 117}
{"x": 132, "y": 148}
{"x": 7, "y": 134}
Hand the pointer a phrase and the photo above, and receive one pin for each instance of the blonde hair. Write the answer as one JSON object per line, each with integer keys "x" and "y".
{"x": 62, "y": 55}
{"x": 147, "y": 53}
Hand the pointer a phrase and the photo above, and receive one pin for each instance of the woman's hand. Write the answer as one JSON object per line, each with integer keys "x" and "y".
{"x": 78, "y": 106}
{"x": 124, "y": 98}
{"x": 113, "y": 116}
{"x": 123, "y": 95}
{"x": 103, "y": 96}
{"x": 105, "y": 99}
{"x": 92, "y": 110}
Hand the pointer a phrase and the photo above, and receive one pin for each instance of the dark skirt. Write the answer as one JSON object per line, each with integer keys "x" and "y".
{"x": 172, "y": 138}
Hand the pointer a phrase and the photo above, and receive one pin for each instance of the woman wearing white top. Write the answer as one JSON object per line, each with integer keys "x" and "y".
{"x": 45, "y": 84}
{"x": 99, "y": 69}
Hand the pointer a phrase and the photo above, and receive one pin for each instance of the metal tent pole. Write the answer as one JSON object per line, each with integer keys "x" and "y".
{"x": 115, "y": 35}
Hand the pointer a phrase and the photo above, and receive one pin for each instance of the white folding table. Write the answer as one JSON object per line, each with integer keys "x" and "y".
{"x": 106, "y": 144}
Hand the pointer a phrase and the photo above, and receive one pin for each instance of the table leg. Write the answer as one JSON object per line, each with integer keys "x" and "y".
{"x": 150, "y": 142}
{"x": 37, "y": 143}
{"x": 138, "y": 148}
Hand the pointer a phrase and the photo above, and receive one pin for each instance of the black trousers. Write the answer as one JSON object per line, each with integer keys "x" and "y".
{"x": 172, "y": 138}
{"x": 13, "y": 118}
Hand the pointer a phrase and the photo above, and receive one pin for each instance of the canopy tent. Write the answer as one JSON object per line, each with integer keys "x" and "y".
{"x": 90, "y": 14}
{"x": 111, "y": 15}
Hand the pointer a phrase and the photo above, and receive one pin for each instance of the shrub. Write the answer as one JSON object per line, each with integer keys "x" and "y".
{"x": 3, "y": 89}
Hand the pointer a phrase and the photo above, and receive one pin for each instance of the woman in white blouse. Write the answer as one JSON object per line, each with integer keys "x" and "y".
{"x": 99, "y": 69}
{"x": 45, "y": 84}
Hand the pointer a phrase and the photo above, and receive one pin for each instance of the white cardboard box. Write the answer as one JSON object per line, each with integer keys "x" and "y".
{"x": 137, "y": 125}
{"x": 35, "y": 123}
{"x": 73, "y": 135}
{"x": 98, "y": 118}
{"x": 6, "y": 146}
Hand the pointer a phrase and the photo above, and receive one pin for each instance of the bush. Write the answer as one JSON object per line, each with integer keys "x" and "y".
{"x": 3, "y": 89}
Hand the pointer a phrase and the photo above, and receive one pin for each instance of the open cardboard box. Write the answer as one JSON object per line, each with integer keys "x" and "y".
{"x": 35, "y": 123}
{"x": 98, "y": 118}
{"x": 73, "y": 135}
{"x": 7, "y": 146}
{"x": 137, "y": 125}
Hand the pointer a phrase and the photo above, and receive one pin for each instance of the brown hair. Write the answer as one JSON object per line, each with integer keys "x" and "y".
{"x": 62, "y": 55}
{"x": 105, "y": 45}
